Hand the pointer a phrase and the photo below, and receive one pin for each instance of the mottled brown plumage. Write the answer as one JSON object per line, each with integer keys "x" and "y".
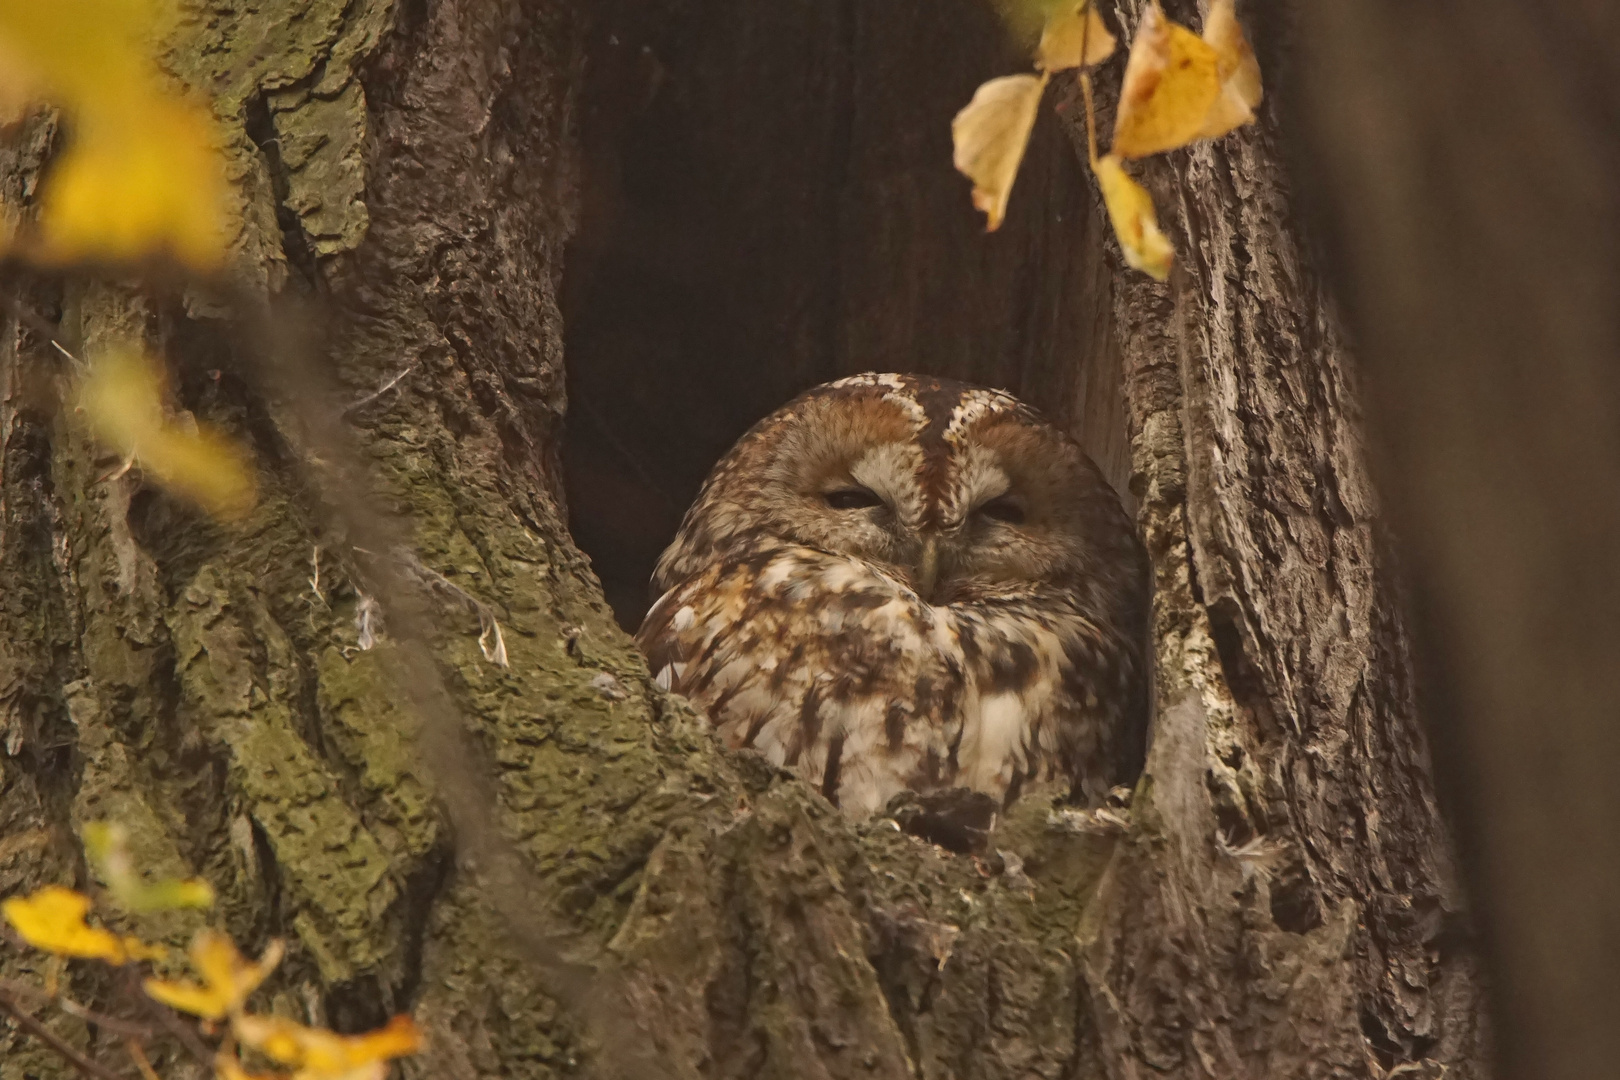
{"x": 897, "y": 582}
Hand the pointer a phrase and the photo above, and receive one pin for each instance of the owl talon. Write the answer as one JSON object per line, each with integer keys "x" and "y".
{"x": 957, "y": 819}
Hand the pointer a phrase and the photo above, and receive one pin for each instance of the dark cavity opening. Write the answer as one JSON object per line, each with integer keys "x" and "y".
{"x": 769, "y": 203}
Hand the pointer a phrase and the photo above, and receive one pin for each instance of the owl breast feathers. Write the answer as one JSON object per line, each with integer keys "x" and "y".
{"x": 903, "y": 583}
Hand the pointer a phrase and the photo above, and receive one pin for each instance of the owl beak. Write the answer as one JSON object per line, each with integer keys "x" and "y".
{"x": 928, "y": 568}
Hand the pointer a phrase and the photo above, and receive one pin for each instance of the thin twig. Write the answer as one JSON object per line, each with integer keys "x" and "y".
{"x": 186, "y": 1033}
{"x": 379, "y": 392}
{"x": 16, "y": 990}
{"x": 138, "y": 1055}
{"x": 38, "y": 325}
{"x": 1085, "y": 89}
{"x": 127, "y": 1028}
{"x": 45, "y": 1035}
{"x": 63, "y": 350}
{"x": 1091, "y": 120}
{"x": 489, "y": 627}
{"x": 582, "y": 405}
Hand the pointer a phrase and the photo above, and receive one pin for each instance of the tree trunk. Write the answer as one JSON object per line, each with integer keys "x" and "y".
{"x": 1484, "y": 297}
{"x": 758, "y": 198}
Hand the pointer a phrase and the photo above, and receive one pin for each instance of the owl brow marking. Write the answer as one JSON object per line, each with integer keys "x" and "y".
{"x": 939, "y": 404}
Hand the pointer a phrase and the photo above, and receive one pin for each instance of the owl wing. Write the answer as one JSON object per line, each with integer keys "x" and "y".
{"x": 1047, "y": 696}
{"x": 832, "y": 668}
{"x": 822, "y": 663}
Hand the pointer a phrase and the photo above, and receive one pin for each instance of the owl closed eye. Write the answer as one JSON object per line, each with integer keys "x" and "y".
{"x": 904, "y": 583}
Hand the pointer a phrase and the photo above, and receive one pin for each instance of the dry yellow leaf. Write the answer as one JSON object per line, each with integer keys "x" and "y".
{"x": 19, "y": 84}
{"x": 1130, "y": 209}
{"x": 141, "y": 175}
{"x": 53, "y": 919}
{"x": 228, "y": 977}
{"x": 1171, "y": 83}
{"x": 107, "y": 845}
{"x": 123, "y": 398}
{"x": 1073, "y": 36}
{"x": 1237, "y": 69}
{"x": 990, "y": 136}
{"x": 318, "y": 1054}
{"x": 136, "y": 181}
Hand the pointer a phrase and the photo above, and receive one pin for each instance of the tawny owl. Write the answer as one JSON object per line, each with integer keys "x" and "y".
{"x": 904, "y": 583}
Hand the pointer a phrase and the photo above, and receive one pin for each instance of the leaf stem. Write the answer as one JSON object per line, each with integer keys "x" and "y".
{"x": 1091, "y": 120}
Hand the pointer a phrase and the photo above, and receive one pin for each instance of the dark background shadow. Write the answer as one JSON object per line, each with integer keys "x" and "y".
{"x": 769, "y": 203}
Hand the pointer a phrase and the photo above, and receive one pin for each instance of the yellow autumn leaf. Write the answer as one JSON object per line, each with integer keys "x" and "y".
{"x": 19, "y": 84}
{"x": 228, "y": 977}
{"x": 318, "y": 1054}
{"x": 1171, "y": 82}
{"x": 136, "y": 949}
{"x": 133, "y": 181}
{"x": 1073, "y": 36}
{"x": 990, "y": 135}
{"x": 140, "y": 174}
{"x": 123, "y": 399}
{"x": 106, "y": 844}
{"x": 1236, "y": 68}
{"x": 53, "y": 919}
{"x": 1130, "y": 209}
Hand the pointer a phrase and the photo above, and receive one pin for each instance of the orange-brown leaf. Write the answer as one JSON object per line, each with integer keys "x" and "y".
{"x": 1237, "y": 69}
{"x": 1171, "y": 82}
{"x": 990, "y": 135}
{"x": 1073, "y": 37}
{"x": 319, "y": 1054}
{"x": 1130, "y": 209}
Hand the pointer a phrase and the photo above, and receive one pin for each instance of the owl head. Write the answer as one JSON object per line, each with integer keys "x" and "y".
{"x": 961, "y": 492}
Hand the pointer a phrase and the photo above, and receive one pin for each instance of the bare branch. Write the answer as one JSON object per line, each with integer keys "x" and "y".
{"x": 45, "y": 1035}
{"x": 17, "y": 990}
{"x": 185, "y": 1032}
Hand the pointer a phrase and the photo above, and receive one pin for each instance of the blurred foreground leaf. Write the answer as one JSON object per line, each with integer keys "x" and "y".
{"x": 1237, "y": 69}
{"x": 123, "y": 399}
{"x": 1171, "y": 80}
{"x": 106, "y": 844}
{"x": 228, "y": 977}
{"x": 141, "y": 174}
{"x": 53, "y": 919}
{"x": 318, "y": 1054}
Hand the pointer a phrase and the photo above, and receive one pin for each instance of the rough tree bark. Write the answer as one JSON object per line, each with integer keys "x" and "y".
{"x": 1281, "y": 902}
